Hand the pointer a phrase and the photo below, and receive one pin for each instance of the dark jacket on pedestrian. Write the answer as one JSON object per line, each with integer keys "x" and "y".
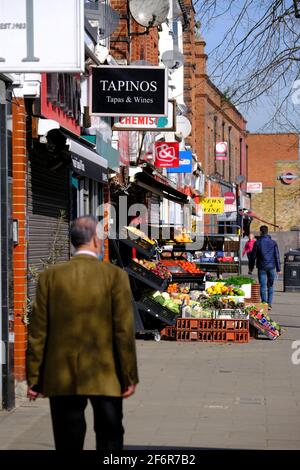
{"x": 265, "y": 252}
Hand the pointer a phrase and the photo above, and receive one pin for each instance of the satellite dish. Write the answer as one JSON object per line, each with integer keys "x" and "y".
{"x": 141, "y": 62}
{"x": 102, "y": 18}
{"x": 183, "y": 126}
{"x": 149, "y": 13}
{"x": 172, "y": 59}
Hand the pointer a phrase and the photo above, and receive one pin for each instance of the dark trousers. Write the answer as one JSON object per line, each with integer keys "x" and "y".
{"x": 69, "y": 425}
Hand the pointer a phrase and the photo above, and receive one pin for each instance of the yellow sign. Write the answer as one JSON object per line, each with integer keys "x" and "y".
{"x": 213, "y": 205}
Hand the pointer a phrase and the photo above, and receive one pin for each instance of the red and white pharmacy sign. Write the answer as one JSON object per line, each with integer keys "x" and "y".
{"x": 221, "y": 150}
{"x": 166, "y": 154}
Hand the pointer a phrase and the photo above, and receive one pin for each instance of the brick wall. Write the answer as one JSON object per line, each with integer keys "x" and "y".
{"x": 264, "y": 150}
{"x": 119, "y": 40}
{"x": 127, "y": 47}
{"x": 20, "y": 251}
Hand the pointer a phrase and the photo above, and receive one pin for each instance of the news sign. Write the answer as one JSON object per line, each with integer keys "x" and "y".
{"x": 213, "y": 205}
{"x": 166, "y": 154}
{"x": 117, "y": 90}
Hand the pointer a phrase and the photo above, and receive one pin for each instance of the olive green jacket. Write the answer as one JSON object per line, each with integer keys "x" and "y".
{"x": 81, "y": 331}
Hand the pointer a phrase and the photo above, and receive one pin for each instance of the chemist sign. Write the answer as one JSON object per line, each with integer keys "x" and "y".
{"x": 117, "y": 90}
{"x": 41, "y": 36}
{"x": 213, "y": 205}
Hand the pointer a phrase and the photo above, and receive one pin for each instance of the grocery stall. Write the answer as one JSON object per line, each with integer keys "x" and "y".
{"x": 174, "y": 299}
{"x": 154, "y": 278}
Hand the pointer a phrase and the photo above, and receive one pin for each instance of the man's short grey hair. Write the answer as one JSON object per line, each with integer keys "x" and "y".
{"x": 82, "y": 230}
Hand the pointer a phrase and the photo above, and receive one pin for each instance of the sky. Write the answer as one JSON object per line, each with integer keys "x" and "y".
{"x": 261, "y": 112}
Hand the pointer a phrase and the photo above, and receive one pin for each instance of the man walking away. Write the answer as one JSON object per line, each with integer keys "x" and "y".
{"x": 81, "y": 343}
{"x": 265, "y": 252}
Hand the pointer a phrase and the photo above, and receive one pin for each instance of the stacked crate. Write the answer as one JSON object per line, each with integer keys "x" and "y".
{"x": 193, "y": 329}
{"x": 219, "y": 331}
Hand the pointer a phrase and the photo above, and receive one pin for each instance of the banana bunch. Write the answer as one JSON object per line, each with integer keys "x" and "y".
{"x": 140, "y": 234}
{"x": 218, "y": 289}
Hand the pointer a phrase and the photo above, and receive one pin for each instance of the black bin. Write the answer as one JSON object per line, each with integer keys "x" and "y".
{"x": 291, "y": 274}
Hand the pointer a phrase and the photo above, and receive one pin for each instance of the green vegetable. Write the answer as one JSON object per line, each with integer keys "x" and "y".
{"x": 239, "y": 280}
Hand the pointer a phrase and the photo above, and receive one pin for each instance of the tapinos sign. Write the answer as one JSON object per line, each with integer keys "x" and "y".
{"x": 117, "y": 90}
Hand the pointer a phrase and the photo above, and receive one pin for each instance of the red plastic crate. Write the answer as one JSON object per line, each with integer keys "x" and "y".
{"x": 242, "y": 337}
{"x": 169, "y": 333}
{"x": 185, "y": 335}
{"x": 230, "y": 325}
{"x": 194, "y": 324}
{"x": 205, "y": 336}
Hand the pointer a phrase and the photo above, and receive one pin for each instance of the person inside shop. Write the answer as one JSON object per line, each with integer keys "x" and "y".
{"x": 81, "y": 343}
{"x": 248, "y": 249}
{"x": 266, "y": 254}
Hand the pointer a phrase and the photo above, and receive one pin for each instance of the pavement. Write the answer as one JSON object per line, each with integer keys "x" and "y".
{"x": 197, "y": 395}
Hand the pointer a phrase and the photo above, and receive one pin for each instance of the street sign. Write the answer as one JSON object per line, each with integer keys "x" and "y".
{"x": 166, "y": 154}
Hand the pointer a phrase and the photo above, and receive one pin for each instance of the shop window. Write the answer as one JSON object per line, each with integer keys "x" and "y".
{"x": 87, "y": 197}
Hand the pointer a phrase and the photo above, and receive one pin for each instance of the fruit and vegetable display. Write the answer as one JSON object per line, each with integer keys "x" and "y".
{"x": 183, "y": 237}
{"x": 155, "y": 267}
{"x": 238, "y": 280}
{"x": 166, "y": 301}
{"x": 140, "y": 234}
{"x": 263, "y": 322}
{"x": 221, "y": 289}
{"x": 187, "y": 266}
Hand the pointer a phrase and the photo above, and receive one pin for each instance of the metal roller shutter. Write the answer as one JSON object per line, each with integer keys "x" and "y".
{"x": 48, "y": 196}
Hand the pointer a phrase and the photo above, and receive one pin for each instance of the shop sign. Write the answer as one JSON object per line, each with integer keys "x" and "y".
{"x": 33, "y": 40}
{"x": 117, "y": 90}
{"x": 185, "y": 163}
{"x": 166, "y": 154}
{"x": 213, "y": 205}
{"x": 254, "y": 187}
{"x": 221, "y": 150}
{"x": 229, "y": 197}
{"x": 149, "y": 123}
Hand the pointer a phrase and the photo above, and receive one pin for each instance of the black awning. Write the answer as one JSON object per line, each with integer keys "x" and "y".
{"x": 148, "y": 182}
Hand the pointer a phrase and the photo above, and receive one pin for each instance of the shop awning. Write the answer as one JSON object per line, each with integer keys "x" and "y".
{"x": 86, "y": 162}
{"x": 249, "y": 213}
{"x": 148, "y": 182}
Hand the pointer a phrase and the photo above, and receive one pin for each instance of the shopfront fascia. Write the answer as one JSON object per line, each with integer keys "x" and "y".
{"x": 89, "y": 176}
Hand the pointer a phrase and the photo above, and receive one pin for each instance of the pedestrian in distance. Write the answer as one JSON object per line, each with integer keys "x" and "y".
{"x": 248, "y": 249}
{"x": 266, "y": 254}
{"x": 81, "y": 343}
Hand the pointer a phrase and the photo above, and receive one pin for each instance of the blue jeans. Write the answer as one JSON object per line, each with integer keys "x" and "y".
{"x": 266, "y": 280}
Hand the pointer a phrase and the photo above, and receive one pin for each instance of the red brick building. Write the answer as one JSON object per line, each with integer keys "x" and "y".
{"x": 269, "y": 157}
